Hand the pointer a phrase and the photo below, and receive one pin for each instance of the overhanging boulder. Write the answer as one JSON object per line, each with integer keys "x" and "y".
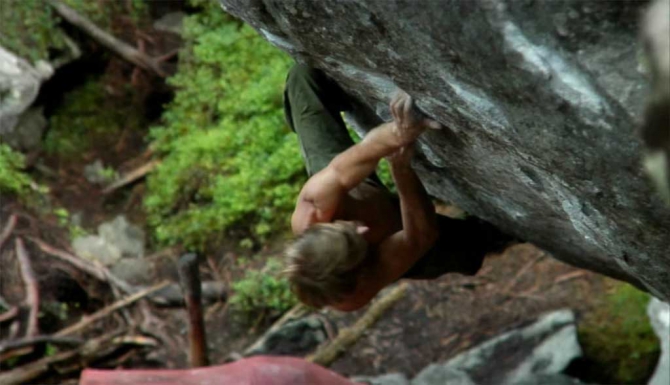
{"x": 540, "y": 101}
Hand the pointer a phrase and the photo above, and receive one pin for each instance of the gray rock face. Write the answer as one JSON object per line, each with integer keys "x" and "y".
{"x": 19, "y": 84}
{"x": 545, "y": 347}
{"x": 539, "y": 100}
{"x": 659, "y": 313}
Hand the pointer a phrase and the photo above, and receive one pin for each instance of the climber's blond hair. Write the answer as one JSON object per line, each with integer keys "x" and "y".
{"x": 323, "y": 262}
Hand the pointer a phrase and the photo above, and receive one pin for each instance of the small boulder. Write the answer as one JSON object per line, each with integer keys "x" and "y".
{"x": 136, "y": 271}
{"x": 95, "y": 248}
{"x": 545, "y": 347}
{"x": 115, "y": 240}
{"x": 124, "y": 235}
{"x": 295, "y": 338}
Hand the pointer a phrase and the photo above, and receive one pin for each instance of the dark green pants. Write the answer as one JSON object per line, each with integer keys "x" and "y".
{"x": 313, "y": 104}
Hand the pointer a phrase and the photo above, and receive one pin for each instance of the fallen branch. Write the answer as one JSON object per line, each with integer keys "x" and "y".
{"x": 88, "y": 352}
{"x": 326, "y": 354}
{"x": 32, "y": 289}
{"x": 569, "y": 276}
{"x": 119, "y": 47}
{"x": 131, "y": 176}
{"x": 521, "y": 272}
{"x": 7, "y": 230}
{"x": 9, "y": 314}
{"x": 171, "y": 295}
{"x": 98, "y": 271}
{"x": 31, "y": 341}
{"x": 77, "y": 262}
{"x": 4, "y": 303}
{"x": 102, "y": 313}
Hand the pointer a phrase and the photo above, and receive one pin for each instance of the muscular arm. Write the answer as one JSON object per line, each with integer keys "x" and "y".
{"x": 320, "y": 197}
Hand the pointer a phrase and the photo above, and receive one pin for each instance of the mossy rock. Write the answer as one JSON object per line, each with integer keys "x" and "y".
{"x": 619, "y": 344}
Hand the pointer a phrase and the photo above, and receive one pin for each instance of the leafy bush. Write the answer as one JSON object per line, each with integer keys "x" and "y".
{"x": 29, "y": 28}
{"x": 228, "y": 158}
{"x": 263, "y": 292}
{"x": 12, "y": 179}
{"x": 618, "y": 339}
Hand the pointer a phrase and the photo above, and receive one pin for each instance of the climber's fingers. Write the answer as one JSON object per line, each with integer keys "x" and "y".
{"x": 408, "y": 103}
{"x": 396, "y": 105}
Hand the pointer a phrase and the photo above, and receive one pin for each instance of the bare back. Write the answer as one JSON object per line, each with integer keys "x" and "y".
{"x": 375, "y": 207}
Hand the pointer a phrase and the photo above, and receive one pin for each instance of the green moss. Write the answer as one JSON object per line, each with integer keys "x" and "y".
{"x": 90, "y": 116}
{"x": 13, "y": 180}
{"x": 264, "y": 293}
{"x": 618, "y": 340}
{"x": 229, "y": 161}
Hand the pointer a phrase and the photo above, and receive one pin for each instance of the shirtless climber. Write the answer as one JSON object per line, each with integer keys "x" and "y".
{"x": 353, "y": 237}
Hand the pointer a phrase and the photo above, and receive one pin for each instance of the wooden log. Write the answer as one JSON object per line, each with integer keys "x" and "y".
{"x": 328, "y": 353}
{"x": 104, "y": 312}
{"x": 32, "y": 299}
{"x": 115, "y": 45}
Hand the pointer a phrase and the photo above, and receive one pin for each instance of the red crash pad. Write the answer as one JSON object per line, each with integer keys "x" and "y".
{"x": 250, "y": 371}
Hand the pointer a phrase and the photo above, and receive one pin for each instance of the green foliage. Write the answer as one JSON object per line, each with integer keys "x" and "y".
{"x": 29, "y": 28}
{"x": 265, "y": 293}
{"x": 50, "y": 350}
{"x": 87, "y": 116}
{"x": 65, "y": 221}
{"x": 103, "y": 12}
{"x": 229, "y": 161}
{"x": 12, "y": 179}
{"x": 618, "y": 338}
